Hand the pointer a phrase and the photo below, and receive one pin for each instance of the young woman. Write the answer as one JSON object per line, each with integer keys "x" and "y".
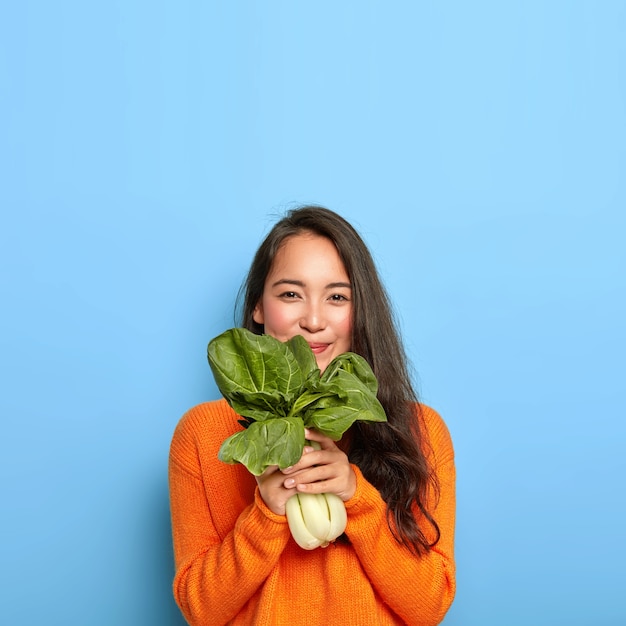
{"x": 236, "y": 562}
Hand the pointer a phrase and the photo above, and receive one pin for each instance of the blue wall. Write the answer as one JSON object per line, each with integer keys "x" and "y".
{"x": 146, "y": 147}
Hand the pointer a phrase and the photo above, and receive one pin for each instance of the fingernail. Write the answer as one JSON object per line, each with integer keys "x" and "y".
{"x": 290, "y": 482}
{"x": 308, "y": 449}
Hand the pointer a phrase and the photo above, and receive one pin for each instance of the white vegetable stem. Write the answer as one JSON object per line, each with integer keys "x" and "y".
{"x": 315, "y": 519}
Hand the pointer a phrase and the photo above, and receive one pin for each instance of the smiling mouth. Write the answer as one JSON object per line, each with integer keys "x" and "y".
{"x": 318, "y": 348}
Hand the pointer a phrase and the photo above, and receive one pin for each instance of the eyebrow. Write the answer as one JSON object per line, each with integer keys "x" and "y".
{"x": 299, "y": 283}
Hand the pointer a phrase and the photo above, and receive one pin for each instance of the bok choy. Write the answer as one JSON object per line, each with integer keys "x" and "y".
{"x": 278, "y": 390}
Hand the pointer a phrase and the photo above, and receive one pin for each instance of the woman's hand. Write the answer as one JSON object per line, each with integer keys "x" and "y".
{"x": 272, "y": 489}
{"x": 318, "y": 471}
{"x": 322, "y": 471}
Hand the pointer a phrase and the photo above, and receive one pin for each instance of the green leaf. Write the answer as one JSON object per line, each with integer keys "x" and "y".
{"x": 346, "y": 399}
{"x": 273, "y": 442}
{"x": 261, "y": 405}
{"x": 243, "y": 362}
{"x": 335, "y": 421}
{"x": 354, "y": 364}
{"x": 278, "y": 389}
{"x": 303, "y": 355}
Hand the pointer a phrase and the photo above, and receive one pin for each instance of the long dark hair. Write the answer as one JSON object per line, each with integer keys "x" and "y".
{"x": 391, "y": 455}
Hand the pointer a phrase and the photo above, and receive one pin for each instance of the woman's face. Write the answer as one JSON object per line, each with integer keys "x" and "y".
{"x": 307, "y": 292}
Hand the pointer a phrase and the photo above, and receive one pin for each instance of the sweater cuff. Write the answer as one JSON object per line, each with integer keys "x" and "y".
{"x": 267, "y": 512}
{"x": 265, "y": 533}
{"x": 366, "y": 496}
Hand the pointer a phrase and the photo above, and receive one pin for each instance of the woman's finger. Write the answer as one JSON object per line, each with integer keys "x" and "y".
{"x": 326, "y": 442}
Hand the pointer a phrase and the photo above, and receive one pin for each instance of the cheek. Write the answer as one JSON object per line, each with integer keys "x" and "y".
{"x": 345, "y": 324}
{"x": 278, "y": 320}
{"x": 343, "y": 327}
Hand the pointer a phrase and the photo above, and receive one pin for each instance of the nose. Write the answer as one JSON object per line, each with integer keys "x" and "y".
{"x": 312, "y": 319}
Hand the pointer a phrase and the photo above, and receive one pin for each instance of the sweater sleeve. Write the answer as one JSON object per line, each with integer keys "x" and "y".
{"x": 217, "y": 571}
{"x": 419, "y": 589}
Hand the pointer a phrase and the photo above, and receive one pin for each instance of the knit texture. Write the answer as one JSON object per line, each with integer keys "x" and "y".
{"x": 236, "y": 562}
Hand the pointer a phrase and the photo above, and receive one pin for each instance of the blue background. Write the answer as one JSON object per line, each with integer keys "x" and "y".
{"x": 146, "y": 148}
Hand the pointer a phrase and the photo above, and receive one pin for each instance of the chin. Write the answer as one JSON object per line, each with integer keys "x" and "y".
{"x": 324, "y": 364}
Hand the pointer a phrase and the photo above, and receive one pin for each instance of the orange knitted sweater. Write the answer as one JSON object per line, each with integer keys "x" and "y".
{"x": 236, "y": 562}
